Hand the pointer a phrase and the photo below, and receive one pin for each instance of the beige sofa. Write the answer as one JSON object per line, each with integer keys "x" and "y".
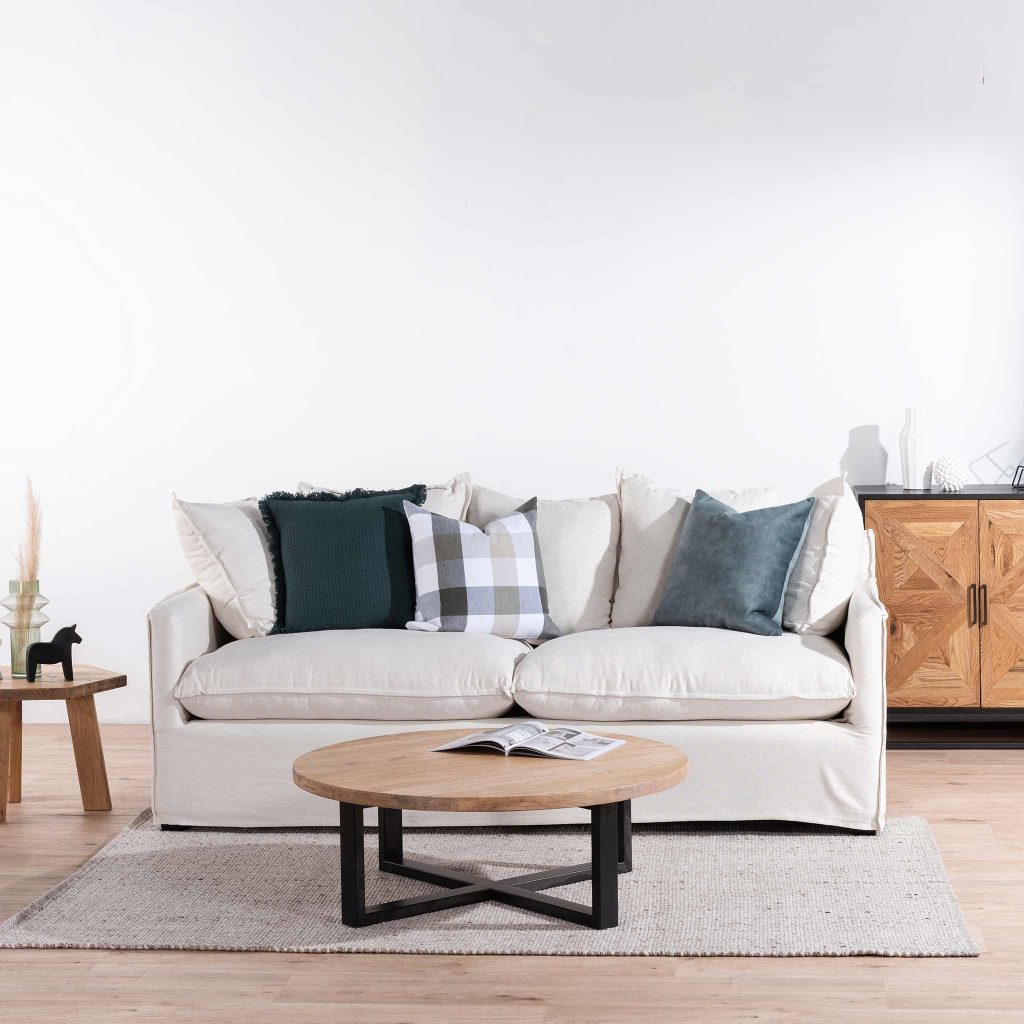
{"x": 788, "y": 728}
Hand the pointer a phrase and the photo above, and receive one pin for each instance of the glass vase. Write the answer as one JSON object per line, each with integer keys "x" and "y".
{"x": 24, "y": 615}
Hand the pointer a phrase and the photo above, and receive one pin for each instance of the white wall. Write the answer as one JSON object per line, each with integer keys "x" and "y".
{"x": 375, "y": 243}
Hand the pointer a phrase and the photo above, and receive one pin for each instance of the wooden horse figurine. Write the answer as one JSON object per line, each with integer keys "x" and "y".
{"x": 52, "y": 652}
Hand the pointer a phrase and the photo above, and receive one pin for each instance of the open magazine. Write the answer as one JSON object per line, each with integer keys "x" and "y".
{"x": 537, "y": 739}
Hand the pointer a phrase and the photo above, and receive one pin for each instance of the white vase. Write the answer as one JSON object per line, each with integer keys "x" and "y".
{"x": 913, "y": 457}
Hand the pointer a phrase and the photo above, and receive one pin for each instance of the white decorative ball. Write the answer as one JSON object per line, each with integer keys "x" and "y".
{"x": 949, "y": 473}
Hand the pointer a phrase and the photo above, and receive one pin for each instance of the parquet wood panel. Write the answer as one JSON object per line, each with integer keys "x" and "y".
{"x": 1001, "y": 537}
{"x": 927, "y": 554}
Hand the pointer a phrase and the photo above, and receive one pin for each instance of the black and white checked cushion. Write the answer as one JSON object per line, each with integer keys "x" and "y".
{"x": 479, "y": 581}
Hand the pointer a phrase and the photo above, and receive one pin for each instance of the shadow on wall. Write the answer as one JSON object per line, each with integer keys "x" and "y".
{"x": 865, "y": 459}
{"x": 987, "y": 468}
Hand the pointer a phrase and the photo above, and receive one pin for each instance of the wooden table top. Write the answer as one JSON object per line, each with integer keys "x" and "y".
{"x": 401, "y": 771}
{"x": 50, "y": 683}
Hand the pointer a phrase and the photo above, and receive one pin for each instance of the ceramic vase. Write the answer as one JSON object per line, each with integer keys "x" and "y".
{"x": 25, "y": 618}
{"x": 913, "y": 457}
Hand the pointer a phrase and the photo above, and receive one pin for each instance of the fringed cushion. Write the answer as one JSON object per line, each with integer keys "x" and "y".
{"x": 341, "y": 561}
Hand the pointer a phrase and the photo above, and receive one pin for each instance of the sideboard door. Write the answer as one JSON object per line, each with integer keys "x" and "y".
{"x": 1001, "y": 527}
{"x": 927, "y": 555}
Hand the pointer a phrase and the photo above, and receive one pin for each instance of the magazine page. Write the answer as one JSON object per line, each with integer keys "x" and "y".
{"x": 572, "y": 744}
{"x": 502, "y": 739}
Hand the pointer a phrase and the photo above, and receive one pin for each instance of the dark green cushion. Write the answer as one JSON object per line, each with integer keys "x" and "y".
{"x": 341, "y": 561}
{"x": 731, "y": 568}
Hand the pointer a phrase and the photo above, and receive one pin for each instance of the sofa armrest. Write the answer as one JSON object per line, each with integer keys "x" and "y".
{"x": 865, "y": 641}
{"x": 182, "y": 627}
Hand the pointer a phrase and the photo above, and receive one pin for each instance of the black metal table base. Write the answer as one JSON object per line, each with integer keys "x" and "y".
{"x": 611, "y": 853}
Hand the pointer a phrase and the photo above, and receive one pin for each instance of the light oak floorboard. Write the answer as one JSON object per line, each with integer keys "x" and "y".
{"x": 973, "y": 799}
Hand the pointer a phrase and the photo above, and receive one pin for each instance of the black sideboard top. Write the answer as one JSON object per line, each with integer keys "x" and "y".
{"x": 972, "y": 492}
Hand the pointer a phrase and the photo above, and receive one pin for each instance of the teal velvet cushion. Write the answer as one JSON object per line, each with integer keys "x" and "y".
{"x": 731, "y": 568}
{"x": 341, "y": 561}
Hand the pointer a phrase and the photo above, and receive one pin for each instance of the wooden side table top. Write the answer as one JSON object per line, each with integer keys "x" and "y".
{"x": 400, "y": 771}
{"x": 51, "y": 684}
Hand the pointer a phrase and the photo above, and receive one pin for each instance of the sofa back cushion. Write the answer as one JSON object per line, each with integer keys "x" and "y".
{"x": 579, "y": 540}
{"x": 341, "y": 561}
{"x": 831, "y": 562}
{"x": 228, "y": 551}
{"x": 450, "y": 499}
{"x": 652, "y": 519}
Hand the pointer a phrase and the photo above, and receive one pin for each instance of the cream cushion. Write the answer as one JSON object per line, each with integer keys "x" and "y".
{"x": 450, "y": 499}
{"x": 652, "y": 518}
{"x": 385, "y": 674}
{"x": 228, "y": 551}
{"x": 684, "y": 673}
{"x": 830, "y": 565}
{"x": 579, "y": 539}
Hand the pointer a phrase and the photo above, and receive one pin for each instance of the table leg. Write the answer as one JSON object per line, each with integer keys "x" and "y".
{"x": 7, "y": 715}
{"x": 625, "y": 815}
{"x": 605, "y": 838}
{"x": 353, "y": 882}
{"x": 85, "y": 737}
{"x": 389, "y": 836}
{"x": 14, "y": 784}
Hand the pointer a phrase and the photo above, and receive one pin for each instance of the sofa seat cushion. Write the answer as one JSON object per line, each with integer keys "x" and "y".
{"x": 384, "y": 674}
{"x": 684, "y": 673}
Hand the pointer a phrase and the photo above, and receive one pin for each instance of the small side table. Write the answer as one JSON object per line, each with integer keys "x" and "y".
{"x": 85, "y": 730}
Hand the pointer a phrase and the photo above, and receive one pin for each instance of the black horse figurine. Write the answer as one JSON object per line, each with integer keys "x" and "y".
{"x": 52, "y": 652}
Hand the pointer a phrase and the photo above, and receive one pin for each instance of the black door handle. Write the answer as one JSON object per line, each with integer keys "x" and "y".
{"x": 972, "y": 604}
{"x": 984, "y": 604}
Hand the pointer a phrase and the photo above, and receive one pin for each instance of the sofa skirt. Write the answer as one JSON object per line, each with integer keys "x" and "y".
{"x": 239, "y": 774}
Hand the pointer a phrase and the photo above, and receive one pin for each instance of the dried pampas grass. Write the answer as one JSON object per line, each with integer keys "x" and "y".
{"x": 28, "y": 552}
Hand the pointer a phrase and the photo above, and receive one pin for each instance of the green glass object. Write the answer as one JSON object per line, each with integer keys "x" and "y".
{"x": 25, "y": 617}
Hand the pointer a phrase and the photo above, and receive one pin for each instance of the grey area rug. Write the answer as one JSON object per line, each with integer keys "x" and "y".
{"x": 729, "y": 890}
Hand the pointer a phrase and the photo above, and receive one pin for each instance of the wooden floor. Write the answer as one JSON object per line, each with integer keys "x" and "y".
{"x": 973, "y": 799}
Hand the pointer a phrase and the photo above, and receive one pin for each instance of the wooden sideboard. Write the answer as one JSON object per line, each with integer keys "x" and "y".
{"x": 951, "y": 573}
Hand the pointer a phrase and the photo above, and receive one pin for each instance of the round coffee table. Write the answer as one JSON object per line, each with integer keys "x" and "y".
{"x": 400, "y": 772}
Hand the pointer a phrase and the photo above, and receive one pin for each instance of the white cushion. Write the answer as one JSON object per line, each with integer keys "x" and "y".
{"x": 450, "y": 499}
{"x": 579, "y": 540}
{"x": 385, "y": 674}
{"x": 652, "y": 518}
{"x": 830, "y": 565}
{"x": 228, "y": 552}
{"x": 684, "y": 673}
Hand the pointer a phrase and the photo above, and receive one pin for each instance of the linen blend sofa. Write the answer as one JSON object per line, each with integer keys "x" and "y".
{"x": 785, "y": 728}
